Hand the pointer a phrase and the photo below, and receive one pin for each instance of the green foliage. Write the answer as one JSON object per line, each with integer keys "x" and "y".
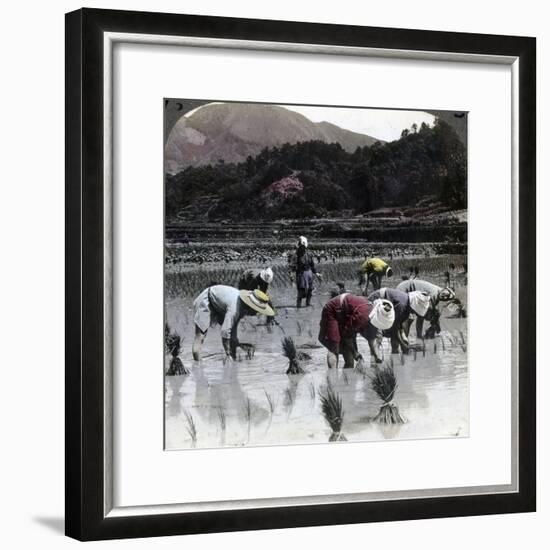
{"x": 425, "y": 161}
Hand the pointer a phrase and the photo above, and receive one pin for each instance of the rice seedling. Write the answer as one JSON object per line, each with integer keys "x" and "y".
{"x": 248, "y": 415}
{"x": 442, "y": 343}
{"x": 360, "y": 366}
{"x": 290, "y": 352}
{"x": 331, "y": 406}
{"x": 191, "y": 427}
{"x": 222, "y": 418}
{"x": 435, "y": 347}
{"x": 312, "y": 391}
{"x": 345, "y": 378}
{"x": 172, "y": 342}
{"x": 249, "y": 349}
{"x": 223, "y": 423}
{"x": 384, "y": 384}
{"x": 414, "y": 353}
{"x": 402, "y": 357}
{"x": 462, "y": 337}
{"x": 290, "y": 397}
{"x": 270, "y": 402}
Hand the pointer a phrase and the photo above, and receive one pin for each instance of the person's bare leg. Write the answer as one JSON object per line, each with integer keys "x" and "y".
{"x": 394, "y": 343}
{"x": 332, "y": 359}
{"x": 348, "y": 351}
{"x": 419, "y": 327}
{"x": 197, "y": 343}
{"x": 375, "y": 346}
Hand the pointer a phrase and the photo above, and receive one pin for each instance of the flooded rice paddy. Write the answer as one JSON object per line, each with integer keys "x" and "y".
{"x": 253, "y": 402}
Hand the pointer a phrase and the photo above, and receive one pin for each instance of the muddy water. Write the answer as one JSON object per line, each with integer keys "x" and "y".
{"x": 253, "y": 401}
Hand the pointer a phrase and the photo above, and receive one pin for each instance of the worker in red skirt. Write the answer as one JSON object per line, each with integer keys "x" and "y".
{"x": 347, "y": 315}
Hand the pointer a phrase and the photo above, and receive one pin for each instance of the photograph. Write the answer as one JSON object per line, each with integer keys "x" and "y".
{"x": 315, "y": 274}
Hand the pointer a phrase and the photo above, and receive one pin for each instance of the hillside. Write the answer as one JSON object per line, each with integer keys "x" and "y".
{"x": 316, "y": 180}
{"x": 233, "y": 131}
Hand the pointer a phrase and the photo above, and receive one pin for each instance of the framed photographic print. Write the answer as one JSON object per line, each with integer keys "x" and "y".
{"x": 300, "y": 274}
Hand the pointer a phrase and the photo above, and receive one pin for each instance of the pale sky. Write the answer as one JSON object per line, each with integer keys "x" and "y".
{"x": 384, "y": 124}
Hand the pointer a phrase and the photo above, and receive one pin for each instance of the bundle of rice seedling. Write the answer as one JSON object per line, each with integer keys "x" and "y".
{"x": 290, "y": 352}
{"x": 384, "y": 383}
{"x": 331, "y": 405}
{"x": 173, "y": 345}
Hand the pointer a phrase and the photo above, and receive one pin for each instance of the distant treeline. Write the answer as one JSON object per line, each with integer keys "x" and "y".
{"x": 316, "y": 179}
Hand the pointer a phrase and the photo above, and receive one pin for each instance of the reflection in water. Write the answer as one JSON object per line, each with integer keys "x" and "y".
{"x": 253, "y": 401}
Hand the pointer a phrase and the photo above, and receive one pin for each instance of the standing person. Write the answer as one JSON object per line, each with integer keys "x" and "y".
{"x": 303, "y": 269}
{"x": 404, "y": 304}
{"x": 344, "y": 317}
{"x": 437, "y": 294}
{"x": 226, "y": 306}
{"x": 253, "y": 279}
{"x": 373, "y": 270}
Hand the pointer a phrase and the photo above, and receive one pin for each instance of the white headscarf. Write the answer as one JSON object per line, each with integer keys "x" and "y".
{"x": 446, "y": 294}
{"x": 420, "y": 302}
{"x": 266, "y": 275}
{"x": 382, "y": 314}
{"x": 302, "y": 240}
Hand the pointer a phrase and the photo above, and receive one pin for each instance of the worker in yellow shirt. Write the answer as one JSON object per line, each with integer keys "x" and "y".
{"x": 372, "y": 270}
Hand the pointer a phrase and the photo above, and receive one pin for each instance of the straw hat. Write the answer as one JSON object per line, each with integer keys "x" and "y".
{"x": 258, "y": 301}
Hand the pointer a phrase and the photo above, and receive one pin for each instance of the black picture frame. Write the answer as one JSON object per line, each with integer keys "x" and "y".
{"x": 85, "y": 518}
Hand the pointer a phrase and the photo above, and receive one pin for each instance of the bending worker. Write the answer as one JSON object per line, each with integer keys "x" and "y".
{"x": 347, "y": 315}
{"x": 226, "y": 306}
{"x": 373, "y": 270}
{"x": 404, "y": 305}
{"x": 437, "y": 294}
{"x": 253, "y": 279}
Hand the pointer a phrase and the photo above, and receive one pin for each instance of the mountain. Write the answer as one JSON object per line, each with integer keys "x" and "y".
{"x": 233, "y": 131}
